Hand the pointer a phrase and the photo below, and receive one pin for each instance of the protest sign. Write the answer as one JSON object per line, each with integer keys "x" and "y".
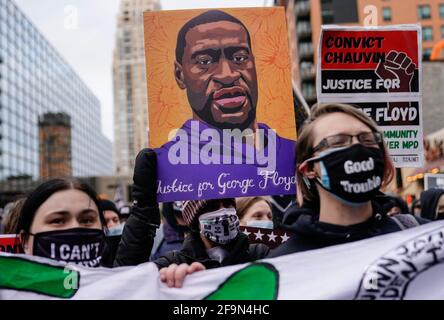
{"x": 10, "y": 243}
{"x": 221, "y": 113}
{"x": 377, "y": 69}
{"x": 433, "y": 181}
{"x": 401, "y": 124}
{"x": 401, "y": 265}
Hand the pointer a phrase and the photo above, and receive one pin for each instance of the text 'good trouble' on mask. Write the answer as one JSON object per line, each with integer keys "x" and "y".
{"x": 82, "y": 246}
{"x": 220, "y": 226}
{"x": 352, "y": 174}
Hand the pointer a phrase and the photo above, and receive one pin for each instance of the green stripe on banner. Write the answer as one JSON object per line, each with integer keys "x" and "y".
{"x": 259, "y": 281}
{"x": 24, "y": 275}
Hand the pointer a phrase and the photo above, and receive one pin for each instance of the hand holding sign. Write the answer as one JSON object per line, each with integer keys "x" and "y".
{"x": 397, "y": 66}
{"x": 144, "y": 188}
{"x": 174, "y": 275}
{"x": 140, "y": 228}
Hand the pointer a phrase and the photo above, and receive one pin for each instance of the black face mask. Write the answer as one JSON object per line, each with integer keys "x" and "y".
{"x": 352, "y": 174}
{"x": 82, "y": 246}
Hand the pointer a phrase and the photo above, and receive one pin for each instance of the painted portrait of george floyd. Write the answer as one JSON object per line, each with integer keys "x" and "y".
{"x": 220, "y": 105}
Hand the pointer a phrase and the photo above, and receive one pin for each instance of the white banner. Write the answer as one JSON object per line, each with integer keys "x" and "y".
{"x": 402, "y": 265}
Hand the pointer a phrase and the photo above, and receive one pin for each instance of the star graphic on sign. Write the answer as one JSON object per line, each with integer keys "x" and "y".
{"x": 285, "y": 237}
{"x": 258, "y": 235}
{"x": 272, "y": 236}
{"x": 246, "y": 232}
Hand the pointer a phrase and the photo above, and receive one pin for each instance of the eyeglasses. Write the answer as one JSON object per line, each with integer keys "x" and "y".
{"x": 344, "y": 140}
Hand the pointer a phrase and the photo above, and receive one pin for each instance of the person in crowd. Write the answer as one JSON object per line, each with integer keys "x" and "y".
{"x": 12, "y": 214}
{"x": 255, "y": 212}
{"x": 171, "y": 232}
{"x": 280, "y": 204}
{"x": 114, "y": 229}
{"x": 61, "y": 219}
{"x": 342, "y": 163}
{"x": 432, "y": 201}
{"x": 395, "y": 205}
{"x": 170, "y": 235}
{"x": 214, "y": 239}
{"x": 416, "y": 208}
{"x": 111, "y": 213}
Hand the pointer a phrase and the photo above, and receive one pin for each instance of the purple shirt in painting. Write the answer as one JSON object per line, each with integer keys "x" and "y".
{"x": 202, "y": 162}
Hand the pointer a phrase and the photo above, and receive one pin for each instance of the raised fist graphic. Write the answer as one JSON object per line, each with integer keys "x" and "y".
{"x": 398, "y": 66}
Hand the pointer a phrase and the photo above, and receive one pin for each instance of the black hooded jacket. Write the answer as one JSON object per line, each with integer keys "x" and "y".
{"x": 429, "y": 201}
{"x": 309, "y": 233}
{"x": 240, "y": 251}
{"x": 138, "y": 236}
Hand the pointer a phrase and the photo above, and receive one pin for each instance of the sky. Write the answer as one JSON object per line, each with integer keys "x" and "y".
{"x": 87, "y": 42}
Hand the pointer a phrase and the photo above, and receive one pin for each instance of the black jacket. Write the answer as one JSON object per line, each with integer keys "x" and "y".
{"x": 138, "y": 236}
{"x": 429, "y": 201}
{"x": 309, "y": 233}
{"x": 241, "y": 251}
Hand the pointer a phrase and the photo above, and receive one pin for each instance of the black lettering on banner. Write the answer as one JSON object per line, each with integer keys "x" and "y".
{"x": 354, "y": 57}
{"x": 391, "y": 114}
{"x": 360, "y": 81}
{"x": 389, "y": 276}
{"x": 341, "y": 42}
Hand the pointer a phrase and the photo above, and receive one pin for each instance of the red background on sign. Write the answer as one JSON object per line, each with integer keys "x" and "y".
{"x": 10, "y": 241}
{"x": 401, "y": 41}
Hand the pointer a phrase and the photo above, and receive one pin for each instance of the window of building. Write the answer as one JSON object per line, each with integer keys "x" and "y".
{"x": 327, "y": 11}
{"x": 387, "y": 14}
{"x": 344, "y": 11}
{"x": 442, "y": 31}
{"x": 427, "y": 33}
{"x": 441, "y": 11}
{"x": 424, "y": 11}
{"x": 426, "y": 54}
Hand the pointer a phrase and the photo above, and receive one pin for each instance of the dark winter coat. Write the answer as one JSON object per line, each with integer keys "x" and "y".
{"x": 429, "y": 201}
{"x": 138, "y": 236}
{"x": 309, "y": 233}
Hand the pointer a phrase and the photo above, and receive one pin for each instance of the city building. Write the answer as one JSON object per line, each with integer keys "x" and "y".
{"x": 130, "y": 87}
{"x": 55, "y": 145}
{"x": 35, "y": 80}
{"x": 305, "y": 18}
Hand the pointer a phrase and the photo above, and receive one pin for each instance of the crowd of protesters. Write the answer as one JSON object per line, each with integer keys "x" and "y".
{"x": 181, "y": 238}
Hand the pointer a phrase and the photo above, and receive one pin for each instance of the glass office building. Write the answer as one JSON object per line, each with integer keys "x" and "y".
{"x": 34, "y": 80}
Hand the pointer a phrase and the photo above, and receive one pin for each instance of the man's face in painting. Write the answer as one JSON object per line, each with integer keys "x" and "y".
{"x": 219, "y": 73}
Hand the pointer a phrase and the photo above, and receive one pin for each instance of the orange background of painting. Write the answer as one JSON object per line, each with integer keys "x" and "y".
{"x": 168, "y": 104}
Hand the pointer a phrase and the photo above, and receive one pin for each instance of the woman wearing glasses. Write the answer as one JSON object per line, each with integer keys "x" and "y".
{"x": 342, "y": 163}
